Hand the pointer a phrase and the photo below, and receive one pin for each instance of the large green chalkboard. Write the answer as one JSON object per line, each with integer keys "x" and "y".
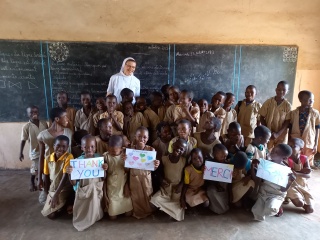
{"x": 32, "y": 72}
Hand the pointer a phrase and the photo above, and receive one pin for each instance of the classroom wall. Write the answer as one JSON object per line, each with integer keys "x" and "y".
{"x": 186, "y": 21}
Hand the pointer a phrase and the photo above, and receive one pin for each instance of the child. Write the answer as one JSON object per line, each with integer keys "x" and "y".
{"x": 168, "y": 197}
{"x": 305, "y": 124}
{"x": 117, "y": 195}
{"x": 62, "y": 100}
{"x": 150, "y": 116}
{"x": 87, "y": 204}
{"x": 271, "y": 196}
{"x": 184, "y": 131}
{"x": 231, "y": 114}
{"x": 30, "y": 131}
{"x": 56, "y": 177}
{"x": 165, "y": 93}
{"x": 174, "y": 95}
{"x": 233, "y": 140}
{"x": 132, "y": 121}
{"x": 164, "y": 137}
{"x": 299, "y": 192}
{"x": 157, "y": 104}
{"x": 115, "y": 116}
{"x": 207, "y": 139}
{"x": 84, "y": 116}
{"x": 127, "y": 95}
{"x": 273, "y": 113}
{"x": 105, "y": 130}
{"x": 193, "y": 193}
{"x": 248, "y": 114}
{"x": 140, "y": 180}
{"x": 218, "y": 192}
{"x": 46, "y": 138}
{"x": 242, "y": 186}
{"x": 185, "y": 110}
{"x": 257, "y": 148}
{"x": 203, "y": 106}
{"x": 101, "y": 108}
{"x": 77, "y": 136}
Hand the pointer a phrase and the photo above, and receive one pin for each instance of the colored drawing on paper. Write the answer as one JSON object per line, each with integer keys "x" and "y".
{"x": 219, "y": 172}
{"x": 87, "y": 168}
{"x": 140, "y": 159}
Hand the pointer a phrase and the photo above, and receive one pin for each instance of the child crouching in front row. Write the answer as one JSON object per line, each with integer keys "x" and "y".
{"x": 87, "y": 204}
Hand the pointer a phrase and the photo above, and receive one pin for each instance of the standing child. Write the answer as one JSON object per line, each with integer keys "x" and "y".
{"x": 132, "y": 121}
{"x": 62, "y": 100}
{"x": 168, "y": 197}
{"x": 157, "y": 104}
{"x": 101, "y": 108}
{"x": 87, "y": 204}
{"x": 305, "y": 124}
{"x": 207, "y": 139}
{"x": 77, "y": 136}
{"x": 115, "y": 116}
{"x": 165, "y": 92}
{"x": 57, "y": 187}
{"x": 105, "y": 132}
{"x": 117, "y": 196}
{"x": 203, "y": 106}
{"x": 29, "y": 133}
{"x": 273, "y": 113}
{"x": 174, "y": 95}
{"x": 140, "y": 180}
{"x": 193, "y": 193}
{"x": 248, "y": 114}
{"x": 164, "y": 137}
{"x": 299, "y": 192}
{"x": 84, "y": 116}
{"x": 257, "y": 148}
{"x": 127, "y": 95}
{"x": 184, "y": 131}
{"x": 231, "y": 114}
{"x": 271, "y": 196}
{"x": 46, "y": 138}
{"x": 218, "y": 192}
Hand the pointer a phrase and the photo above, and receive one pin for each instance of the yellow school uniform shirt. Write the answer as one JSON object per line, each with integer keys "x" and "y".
{"x": 136, "y": 121}
{"x": 309, "y": 133}
{"x": 118, "y": 116}
{"x": 83, "y": 122}
{"x": 169, "y": 116}
{"x": 275, "y": 114}
{"x": 179, "y": 114}
{"x": 102, "y": 146}
{"x": 29, "y": 133}
{"x": 247, "y": 117}
{"x": 231, "y": 116}
{"x": 191, "y": 144}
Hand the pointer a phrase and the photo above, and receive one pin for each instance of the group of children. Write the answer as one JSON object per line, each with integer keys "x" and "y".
{"x": 185, "y": 135}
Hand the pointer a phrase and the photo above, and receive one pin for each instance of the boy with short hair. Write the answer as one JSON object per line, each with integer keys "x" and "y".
{"x": 127, "y": 95}
{"x": 30, "y": 132}
{"x": 62, "y": 100}
{"x": 231, "y": 114}
{"x": 105, "y": 132}
{"x": 84, "y": 116}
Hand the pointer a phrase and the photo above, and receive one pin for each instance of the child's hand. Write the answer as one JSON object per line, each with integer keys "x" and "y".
{"x": 21, "y": 157}
{"x": 156, "y": 164}
{"x": 183, "y": 204}
{"x": 54, "y": 201}
{"x": 69, "y": 169}
{"x": 105, "y": 166}
{"x": 124, "y": 157}
{"x": 126, "y": 191}
{"x": 178, "y": 188}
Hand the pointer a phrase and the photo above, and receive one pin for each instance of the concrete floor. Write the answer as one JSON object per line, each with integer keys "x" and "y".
{"x": 20, "y": 218}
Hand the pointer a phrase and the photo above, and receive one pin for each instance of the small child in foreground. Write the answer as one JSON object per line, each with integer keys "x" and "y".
{"x": 89, "y": 192}
{"x": 271, "y": 196}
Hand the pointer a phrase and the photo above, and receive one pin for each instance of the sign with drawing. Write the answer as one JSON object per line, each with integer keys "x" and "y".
{"x": 140, "y": 159}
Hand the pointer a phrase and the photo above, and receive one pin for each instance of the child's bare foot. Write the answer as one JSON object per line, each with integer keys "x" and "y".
{"x": 128, "y": 214}
{"x": 286, "y": 200}
{"x": 280, "y": 213}
{"x": 308, "y": 208}
{"x": 70, "y": 209}
{"x": 32, "y": 187}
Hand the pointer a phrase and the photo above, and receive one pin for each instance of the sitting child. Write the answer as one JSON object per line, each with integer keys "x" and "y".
{"x": 271, "y": 196}
{"x": 168, "y": 197}
{"x": 218, "y": 192}
{"x": 87, "y": 204}
{"x": 233, "y": 140}
{"x": 117, "y": 197}
{"x": 257, "y": 148}
{"x": 299, "y": 192}
{"x": 105, "y": 132}
{"x": 56, "y": 177}
{"x": 193, "y": 193}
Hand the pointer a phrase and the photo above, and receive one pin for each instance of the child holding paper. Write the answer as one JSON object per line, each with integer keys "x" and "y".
{"x": 56, "y": 182}
{"x": 272, "y": 195}
{"x": 140, "y": 180}
{"x": 218, "y": 192}
{"x": 168, "y": 197}
{"x": 193, "y": 193}
{"x": 299, "y": 192}
{"x": 117, "y": 197}
{"x": 87, "y": 204}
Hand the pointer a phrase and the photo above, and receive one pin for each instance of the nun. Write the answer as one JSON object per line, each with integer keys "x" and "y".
{"x": 124, "y": 79}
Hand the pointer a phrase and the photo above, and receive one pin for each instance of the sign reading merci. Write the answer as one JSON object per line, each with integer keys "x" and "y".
{"x": 219, "y": 172}
{"x": 87, "y": 168}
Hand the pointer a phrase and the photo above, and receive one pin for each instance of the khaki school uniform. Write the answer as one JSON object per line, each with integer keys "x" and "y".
{"x": 203, "y": 120}
{"x": 248, "y": 116}
{"x": 136, "y": 121}
{"x": 118, "y": 116}
{"x": 179, "y": 114}
{"x": 71, "y": 114}
{"x": 231, "y": 116}
{"x": 205, "y": 148}
{"x": 153, "y": 120}
{"x": 160, "y": 147}
{"x": 102, "y": 146}
{"x": 191, "y": 144}
{"x": 169, "y": 116}
{"x": 275, "y": 115}
{"x": 161, "y": 113}
{"x": 309, "y": 133}
{"x": 83, "y": 122}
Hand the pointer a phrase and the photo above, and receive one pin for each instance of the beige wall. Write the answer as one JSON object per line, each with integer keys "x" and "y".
{"x": 186, "y": 21}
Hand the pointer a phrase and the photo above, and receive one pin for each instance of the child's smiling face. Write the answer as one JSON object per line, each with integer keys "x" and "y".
{"x": 111, "y": 103}
{"x": 282, "y": 90}
{"x": 166, "y": 134}
{"x": 142, "y": 137}
{"x": 203, "y": 105}
{"x": 197, "y": 160}
{"x": 250, "y": 94}
{"x": 33, "y": 113}
{"x": 178, "y": 149}
{"x": 307, "y": 101}
{"x": 85, "y": 100}
{"x": 217, "y": 100}
{"x": 229, "y": 101}
{"x": 183, "y": 130}
{"x": 89, "y": 147}
{"x": 220, "y": 156}
{"x": 60, "y": 147}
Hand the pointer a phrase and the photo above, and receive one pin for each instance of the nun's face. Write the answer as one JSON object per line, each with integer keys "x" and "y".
{"x": 129, "y": 68}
